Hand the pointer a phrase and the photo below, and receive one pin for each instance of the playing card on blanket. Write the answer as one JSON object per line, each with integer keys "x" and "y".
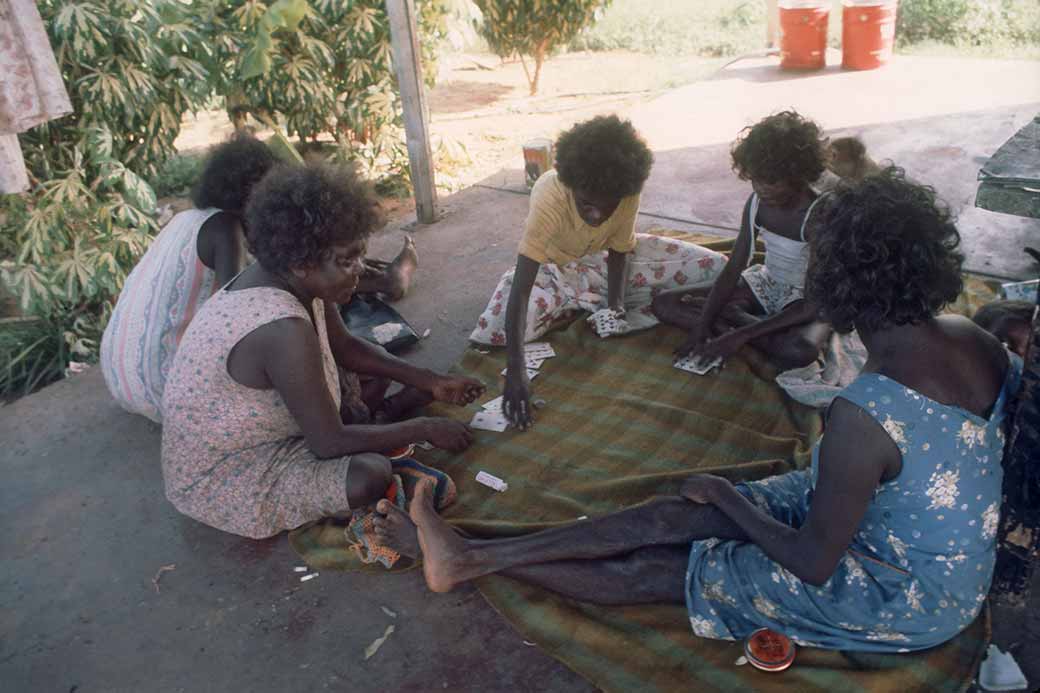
{"x": 539, "y": 350}
{"x": 493, "y": 405}
{"x": 700, "y": 365}
{"x": 490, "y": 421}
{"x": 606, "y": 322}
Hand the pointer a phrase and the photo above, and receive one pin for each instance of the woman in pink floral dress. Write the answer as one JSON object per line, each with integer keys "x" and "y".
{"x": 253, "y": 439}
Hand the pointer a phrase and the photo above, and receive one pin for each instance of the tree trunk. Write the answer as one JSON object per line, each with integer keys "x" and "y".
{"x": 539, "y": 58}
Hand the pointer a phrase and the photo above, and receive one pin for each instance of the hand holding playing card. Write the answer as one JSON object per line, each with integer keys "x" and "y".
{"x": 608, "y": 322}
{"x": 516, "y": 399}
{"x": 447, "y": 434}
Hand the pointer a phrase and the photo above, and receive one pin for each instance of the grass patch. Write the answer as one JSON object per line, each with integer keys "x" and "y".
{"x": 729, "y": 28}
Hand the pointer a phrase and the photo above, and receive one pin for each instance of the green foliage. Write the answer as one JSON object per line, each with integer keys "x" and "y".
{"x": 323, "y": 68}
{"x": 969, "y": 23}
{"x": 67, "y": 245}
{"x": 35, "y": 352}
{"x": 535, "y": 27}
{"x": 176, "y": 175}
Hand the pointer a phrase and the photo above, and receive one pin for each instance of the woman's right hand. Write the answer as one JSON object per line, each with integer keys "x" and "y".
{"x": 516, "y": 398}
{"x": 694, "y": 342}
{"x": 447, "y": 434}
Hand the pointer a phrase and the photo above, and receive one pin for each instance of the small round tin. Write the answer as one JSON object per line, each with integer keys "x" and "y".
{"x": 768, "y": 650}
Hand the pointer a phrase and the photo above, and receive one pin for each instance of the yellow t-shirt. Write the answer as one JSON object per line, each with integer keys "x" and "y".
{"x": 555, "y": 233}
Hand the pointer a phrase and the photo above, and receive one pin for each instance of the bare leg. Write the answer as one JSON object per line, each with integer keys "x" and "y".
{"x": 450, "y": 559}
{"x": 391, "y": 279}
{"x": 683, "y": 307}
{"x": 652, "y": 575}
{"x": 373, "y": 391}
{"x": 367, "y": 479}
{"x": 796, "y": 346}
{"x": 397, "y": 407}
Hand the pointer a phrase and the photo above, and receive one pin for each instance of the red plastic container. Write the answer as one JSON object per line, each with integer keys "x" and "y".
{"x": 803, "y": 35}
{"x": 868, "y": 34}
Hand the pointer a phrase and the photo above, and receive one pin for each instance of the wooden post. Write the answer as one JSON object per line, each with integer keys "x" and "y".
{"x": 404, "y": 40}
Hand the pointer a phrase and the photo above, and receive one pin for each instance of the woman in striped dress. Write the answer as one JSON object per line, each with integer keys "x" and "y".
{"x": 195, "y": 254}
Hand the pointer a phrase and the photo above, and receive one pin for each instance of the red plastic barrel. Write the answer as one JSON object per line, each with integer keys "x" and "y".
{"x": 868, "y": 34}
{"x": 803, "y": 36}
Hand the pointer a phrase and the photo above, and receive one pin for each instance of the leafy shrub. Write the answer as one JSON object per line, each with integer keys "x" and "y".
{"x": 176, "y": 175}
{"x": 67, "y": 245}
{"x": 325, "y": 68}
{"x": 133, "y": 68}
{"x": 535, "y": 27}
{"x": 969, "y": 22}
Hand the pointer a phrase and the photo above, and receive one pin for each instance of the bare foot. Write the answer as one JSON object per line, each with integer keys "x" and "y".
{"x": 441, "y": 546}
{"x": 399, "y": 272}
{"x": 395, "y": 529}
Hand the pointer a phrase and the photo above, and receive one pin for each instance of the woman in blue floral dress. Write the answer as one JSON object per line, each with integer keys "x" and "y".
{"x": 887, "y": 543}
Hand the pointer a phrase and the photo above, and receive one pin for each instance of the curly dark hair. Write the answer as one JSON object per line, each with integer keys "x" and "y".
{"x": 298, "y": 211}
{"x": 783, "y": 147}
{"x": 231, "y": 170}
{"x": 883, "y": 252}
{"x": 603, "y": 156}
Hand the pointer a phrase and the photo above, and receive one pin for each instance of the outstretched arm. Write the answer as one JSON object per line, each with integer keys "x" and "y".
{"x": 516, "y": 394}
{"x": 723, "y": 288}
{"x": 848, "y": 477}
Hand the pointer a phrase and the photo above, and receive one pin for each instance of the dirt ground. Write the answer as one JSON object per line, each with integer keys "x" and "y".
{"x": 481, "y": 112}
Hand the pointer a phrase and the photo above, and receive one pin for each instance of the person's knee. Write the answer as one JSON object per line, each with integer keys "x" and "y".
{"x": 663, "y": 305}
{"x": 367, "y": 479}
{"x": 667, "y": 514}
{"x": 796, "y": 352}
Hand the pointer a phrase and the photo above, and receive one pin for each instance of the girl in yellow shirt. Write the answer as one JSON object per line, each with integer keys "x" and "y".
{"x": 580, "y": 250}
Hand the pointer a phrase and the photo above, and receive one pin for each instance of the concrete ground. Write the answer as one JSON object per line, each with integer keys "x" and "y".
{"x": 87, "y": 528}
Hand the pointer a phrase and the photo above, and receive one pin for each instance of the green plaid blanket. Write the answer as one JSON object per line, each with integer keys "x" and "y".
{"x": 621, "y": 425}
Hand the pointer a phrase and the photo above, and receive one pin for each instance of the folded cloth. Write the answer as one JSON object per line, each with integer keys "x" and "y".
{"x": 361, "y": 531}
{"x": 351, "y": 543}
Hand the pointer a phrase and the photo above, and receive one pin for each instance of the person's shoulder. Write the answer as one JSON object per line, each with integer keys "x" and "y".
{"x": 987, "y": 343}
{"x": 548, "y": 189}
{"x": 965, "y": 333}
{"x": 286, "y": 336}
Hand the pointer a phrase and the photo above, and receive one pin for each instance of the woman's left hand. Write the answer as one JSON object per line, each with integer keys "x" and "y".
{"x": 457, "y": 389}
{"x": 703, "y": 488}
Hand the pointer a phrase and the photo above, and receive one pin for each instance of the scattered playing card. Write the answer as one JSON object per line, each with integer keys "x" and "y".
{"x": 531, "y": 373}
{"x": 539, "y": 350}
{"x": 493, "y": 405}
{"x": 607, "y": 322}
{"x": 533, "y": 363}
{"x": 489, "y": 421}
{"x": 700, "y": 365}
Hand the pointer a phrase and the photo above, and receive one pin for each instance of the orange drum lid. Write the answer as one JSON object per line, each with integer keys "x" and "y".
{"x": 768, "y": 650}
